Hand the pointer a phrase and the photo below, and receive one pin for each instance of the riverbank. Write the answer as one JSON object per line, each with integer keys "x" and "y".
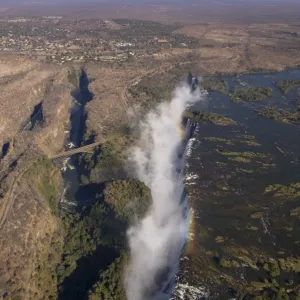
{"x": 243, "y": 187}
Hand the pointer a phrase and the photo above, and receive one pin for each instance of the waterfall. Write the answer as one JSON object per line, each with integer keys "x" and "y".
{"x": 157, "y": 241}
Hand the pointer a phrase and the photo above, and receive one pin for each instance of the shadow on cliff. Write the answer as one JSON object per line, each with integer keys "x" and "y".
{"x": 82, "y": 95}
{"x": 113, "y": 239}
{"x": 77, "y": 285}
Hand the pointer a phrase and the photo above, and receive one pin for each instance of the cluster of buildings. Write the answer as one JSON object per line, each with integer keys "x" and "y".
{"x": 50, "y": 38}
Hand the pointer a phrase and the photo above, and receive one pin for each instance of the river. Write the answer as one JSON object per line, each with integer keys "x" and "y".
{"x": 81, "y": 96}
{"x": 225, "y": 194}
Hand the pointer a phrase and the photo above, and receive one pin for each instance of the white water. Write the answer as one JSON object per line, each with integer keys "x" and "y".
{"x": 156, "y": 242}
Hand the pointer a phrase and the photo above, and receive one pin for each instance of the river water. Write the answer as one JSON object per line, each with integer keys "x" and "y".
{"x": 224, "y": 194}
{"x": 81, "y": 96}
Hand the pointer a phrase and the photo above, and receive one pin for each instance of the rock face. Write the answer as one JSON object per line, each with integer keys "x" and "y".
{"x": 56, "y": 108}
{"x": 35, "y": 109}
{"x": 34, "y": 114}
{"x": 110, "y": 106}
{"x": 35, "y": 93}
{"x": 30, "y": 236}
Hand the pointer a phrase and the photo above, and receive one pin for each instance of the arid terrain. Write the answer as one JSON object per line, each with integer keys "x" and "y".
{"x": 123, "y": 53}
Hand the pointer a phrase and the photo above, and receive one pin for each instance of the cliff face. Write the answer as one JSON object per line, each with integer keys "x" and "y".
{"x": 30, "y": 237}
{"x": 34, "y": 115}
{"x": 20, "y": 93}
{"x": 109, "y": 108}
{"x": 35, "y": 109}
{"x": 38, "y": 96}
{"x": 56, "y": 107}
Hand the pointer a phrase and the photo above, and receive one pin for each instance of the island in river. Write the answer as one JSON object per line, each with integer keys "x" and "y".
{"x": 242, "y": 179}
{"x": 75, "y": 83}
{"x": 243, "y": 182}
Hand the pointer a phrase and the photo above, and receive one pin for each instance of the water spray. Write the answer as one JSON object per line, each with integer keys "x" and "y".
{"x": 156, "y": 242}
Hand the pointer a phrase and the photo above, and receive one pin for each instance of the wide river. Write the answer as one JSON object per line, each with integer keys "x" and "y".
{"x": 234, "y": 222}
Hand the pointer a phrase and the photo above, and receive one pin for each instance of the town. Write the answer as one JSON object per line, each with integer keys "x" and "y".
{"x": 54, "y": 39}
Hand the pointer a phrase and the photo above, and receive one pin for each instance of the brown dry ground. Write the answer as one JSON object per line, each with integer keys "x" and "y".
{"x": 229, "y": 48}
{"x": 24, "y": 84}
{"x": 28, "y": 239}
{"x": 108, "y": 108}
{"x": 30, "y": 230}
{"x": 30, "y": 233}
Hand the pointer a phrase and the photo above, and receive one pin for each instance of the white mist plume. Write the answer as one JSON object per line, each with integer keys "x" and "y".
{"x": 156, "y": 242}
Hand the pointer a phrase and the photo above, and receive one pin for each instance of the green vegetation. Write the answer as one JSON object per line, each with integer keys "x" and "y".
{"x": 129, "y": 198}
{"x": 214, "y": 85}
{"x": 257, "y": 215}
{"x": 247, "y": 157}
{"x": 3, "y": 188}
{"x": 238, "y": 217}
{"x": 278, "y": 190}
{"x": 245, "y": 171}
{"x": 228, "y": 263}
{"x": 48, "y": 258}
{"x": 249, "y": 140}
{"x": 48, "y": 190}
{"x": 275, "y": 267}
{"x": 287, "y": 85}
{"x": 99, "y": 231}
{"x": 110, "y": 284}
{"x": 84, "y": 233}
{"x": 290, "y": 264}
{"x": 242, "y": 154}
{"x": 156, "y": 94}
{"x": 73, "y": 78}
{"x": 108, "y": 160}
{"x": 153, "y": 89}
{"x": 282, "y": 115}
{"x": 240, "y": 159}
{"x": 251, "y": 143}
{"x": 248, "y": 137}
{"x": 243, "y": 255}
{"x": 219, "y": 140}
{"x": 219, "y": 239}
{"x": 47, "y": 180}
{"x": 93, "y": 240}
{"x": 90, "y": 264}
{"x": 250, "y": 95}
{"x": 143, "y": 28}
{"x": 95, "y": 237}
{"x": 272, "y": 268}
{"x": 202, "y": 117}
{"x": 147, "y": 32}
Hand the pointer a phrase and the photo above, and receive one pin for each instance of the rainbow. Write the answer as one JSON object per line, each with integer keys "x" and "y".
{"x": 181, "y": 130}
{"x": 190, "y": 244}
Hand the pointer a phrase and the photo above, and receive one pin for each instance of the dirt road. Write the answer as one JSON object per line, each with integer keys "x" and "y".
{"x": 10, "y": 197}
